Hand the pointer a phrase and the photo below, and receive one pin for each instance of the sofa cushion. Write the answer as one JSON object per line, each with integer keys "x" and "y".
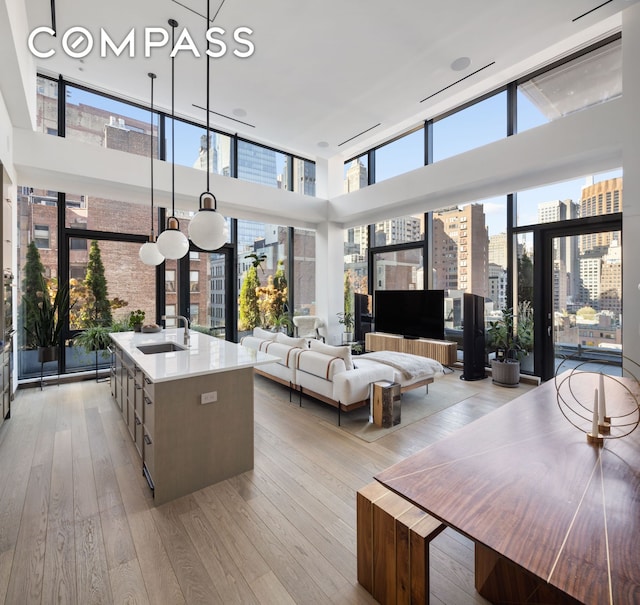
{"x": 286, "y": 353}
{"x": 282, "y": 338}
{"x": 265, "y": 334}
{"x": 343, "y": 352}
{"x": 254, "y": 342}
{"x": 320, "y": 365}
{"x": 353, "y": 386}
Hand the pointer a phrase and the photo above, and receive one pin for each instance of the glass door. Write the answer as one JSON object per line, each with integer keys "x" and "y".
{"x": 587, "y": 300}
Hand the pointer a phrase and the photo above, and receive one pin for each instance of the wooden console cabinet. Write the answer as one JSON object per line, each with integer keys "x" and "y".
{"x": 444, "y": 351}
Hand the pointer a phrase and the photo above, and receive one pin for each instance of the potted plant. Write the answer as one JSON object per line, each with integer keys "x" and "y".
{"x": 357, "y": 348}
{"x": 94, "y": 339}
{"x": 136, "y": 319}
{"x": 508, "y": 346}
{"x": 49, "y": 315}
{"x": 282, "y": 323}
{"x": 347, "y": 319}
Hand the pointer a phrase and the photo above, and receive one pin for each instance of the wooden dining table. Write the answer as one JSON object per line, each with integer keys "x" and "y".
{"x": 554, "y": 518}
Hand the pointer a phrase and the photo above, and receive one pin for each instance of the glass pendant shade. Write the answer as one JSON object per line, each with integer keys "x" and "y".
{"x": 208, "y": 229}
{"x": 150, "y": 254}
{"x": 172, "y": 243}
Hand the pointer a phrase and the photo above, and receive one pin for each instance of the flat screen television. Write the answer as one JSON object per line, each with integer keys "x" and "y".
{"x": 410, "y": 313}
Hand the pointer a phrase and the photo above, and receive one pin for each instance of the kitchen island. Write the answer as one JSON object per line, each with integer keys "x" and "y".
{"x": 189, "y": 409}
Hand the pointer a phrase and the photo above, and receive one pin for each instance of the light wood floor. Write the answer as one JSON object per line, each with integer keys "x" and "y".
{"x": 78, "y": 525}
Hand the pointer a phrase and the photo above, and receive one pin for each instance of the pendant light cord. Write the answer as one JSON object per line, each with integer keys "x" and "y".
{"x": 208, "y": 80}
{"x": 152, "y": 77}
{"x": 209, "y": 21}
{"x": 173, "y": 24}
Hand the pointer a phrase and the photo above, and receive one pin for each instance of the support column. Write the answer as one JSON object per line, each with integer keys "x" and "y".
{"x": 631, "y": 176}
{"x": 329, "y": 272}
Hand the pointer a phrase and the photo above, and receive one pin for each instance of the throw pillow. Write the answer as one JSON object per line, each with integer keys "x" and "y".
{"x": 342, "y": 352}
{"x": 301, "y": 343}
{"x": 264, "y": 334}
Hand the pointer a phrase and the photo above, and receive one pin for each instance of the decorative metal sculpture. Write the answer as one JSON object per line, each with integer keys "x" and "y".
{"x": 594, "y": 417}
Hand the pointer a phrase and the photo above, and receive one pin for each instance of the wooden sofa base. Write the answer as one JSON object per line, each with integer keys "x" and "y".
{"x": 347, "y": 407}
{"x": 341, "y": 407}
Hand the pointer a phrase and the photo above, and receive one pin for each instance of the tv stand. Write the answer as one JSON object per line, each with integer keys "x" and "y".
{"x": 408, "y": 337}
{"x": 444, "y": 351}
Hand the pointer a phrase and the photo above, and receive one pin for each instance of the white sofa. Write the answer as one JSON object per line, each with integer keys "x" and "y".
{"x": 280, "y": 345}
{"x": 330, "y": 374}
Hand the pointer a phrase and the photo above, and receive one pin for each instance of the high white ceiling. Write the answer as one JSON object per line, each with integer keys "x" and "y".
{"x": 324, "y": 72}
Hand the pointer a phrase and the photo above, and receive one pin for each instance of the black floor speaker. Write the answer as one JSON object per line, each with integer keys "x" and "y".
{"x": 473, "y": 337}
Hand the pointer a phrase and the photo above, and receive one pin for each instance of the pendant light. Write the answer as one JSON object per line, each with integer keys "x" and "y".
{"x": 172, "y": 243}
{"x": 208, "y": 229}
{"x": 149, "y": 253}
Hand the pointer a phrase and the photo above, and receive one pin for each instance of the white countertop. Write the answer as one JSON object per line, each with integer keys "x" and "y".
{"x": 205, "y": 355}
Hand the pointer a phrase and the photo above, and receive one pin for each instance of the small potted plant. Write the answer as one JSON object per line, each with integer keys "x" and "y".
{"x": 94, "y": 339}
{"x": 136, "y": 319}
{"x": 348, "y": 320}
{"x": 282, "y": 323}
{"x": 505, "y": 341}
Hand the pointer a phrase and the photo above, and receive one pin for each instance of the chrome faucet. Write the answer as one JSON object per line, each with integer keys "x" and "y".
{"x": 186, "y": 338}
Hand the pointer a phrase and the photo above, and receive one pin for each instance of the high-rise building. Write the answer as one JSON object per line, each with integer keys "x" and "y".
{"x": 565, "y": 251}
{"x": 201, "y": 160}
{"x": 257, "y": 164}
{"x": 611, "y": 284}
{"x": 600, "y": 199}
{"x": 461, "y": 250}
{"x": 557, "y": 210}
{"x": 591, "y": 278}
{"x": 398, "y": 230}
{"x": 304, "y": 176}
{"x": 497, "y": 286}
{"x": 357, "y": 176}
{"x": 498, "y": 249}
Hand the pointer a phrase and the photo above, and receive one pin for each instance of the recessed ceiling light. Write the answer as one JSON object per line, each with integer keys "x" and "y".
{"x": 239, "y": 112}
{"x": 461, "y": 63}
{"x": 323, "y": 144}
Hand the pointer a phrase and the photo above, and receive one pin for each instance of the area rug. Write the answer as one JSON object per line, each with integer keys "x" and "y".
{"x": 415, "y": 405}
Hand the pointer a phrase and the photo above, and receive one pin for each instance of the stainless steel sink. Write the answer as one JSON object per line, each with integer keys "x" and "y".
{"x": 161, "y": 347}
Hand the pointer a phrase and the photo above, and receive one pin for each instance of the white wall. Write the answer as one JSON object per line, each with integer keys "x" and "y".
{"x": 6, "y": 142}
{"x": 18, "y": 69}
{"x": 631, "y": 197}
{"x": 329, "y": 277}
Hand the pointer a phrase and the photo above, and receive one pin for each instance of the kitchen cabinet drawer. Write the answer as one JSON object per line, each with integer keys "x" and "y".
{"x": 148, "y": 453}
{"x": 139, "y": 400}
{"x": 148, "y": 412}
{"x": 139, "y": 434}
{"x": 149, "y": 387}
{"x": 131, "y": 415}
{"x": 131, "y": 383}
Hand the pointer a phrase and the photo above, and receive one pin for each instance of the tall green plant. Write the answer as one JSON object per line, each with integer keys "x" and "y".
{"x": 49, "y": 314}
{"x": 97, "y": 310}
{"x": 248, "y": 304}
{"x": 282, "y": 288}
{"x": 31, "y": 285}
{"x": 348, "y": 294}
